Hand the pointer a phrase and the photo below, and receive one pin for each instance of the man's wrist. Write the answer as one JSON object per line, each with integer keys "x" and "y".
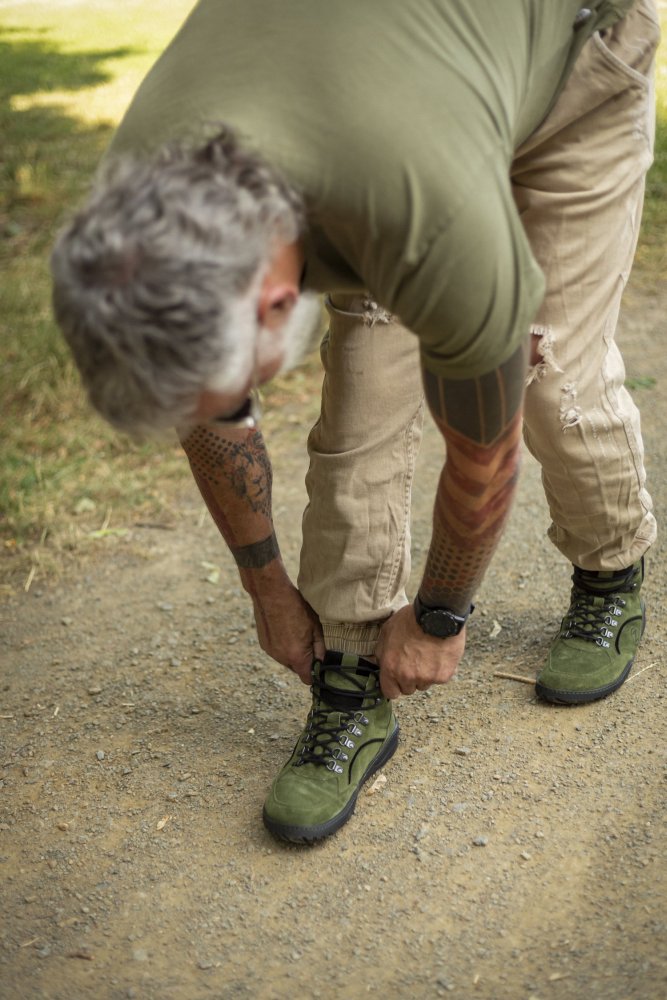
{"x": 438, "y": 620}
{"x": 257, "y": 554}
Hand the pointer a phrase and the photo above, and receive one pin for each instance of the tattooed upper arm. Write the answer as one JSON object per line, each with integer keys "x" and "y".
{"x": 479, "y": 408}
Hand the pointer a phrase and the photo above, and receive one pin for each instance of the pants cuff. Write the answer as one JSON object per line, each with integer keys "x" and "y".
{"x": 352, "y": 638}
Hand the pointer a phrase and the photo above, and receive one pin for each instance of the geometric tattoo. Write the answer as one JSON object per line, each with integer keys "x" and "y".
{"x": 480, "y": 420}
{"x": 480, "y": 408}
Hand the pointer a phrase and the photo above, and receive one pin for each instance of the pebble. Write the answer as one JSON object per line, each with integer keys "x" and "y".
{"x": 140, "y": 955}
{"x": 95, "y": 690}
{"x": 165, "y": 606}
{"x": 67, "y": 621}
{"x": 480, "y": 841}
{"x": 462, "y": 751}
{"x": 100, "y": 755}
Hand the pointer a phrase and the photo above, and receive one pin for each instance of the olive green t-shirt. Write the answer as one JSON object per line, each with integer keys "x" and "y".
{"x": 397, "y": 120}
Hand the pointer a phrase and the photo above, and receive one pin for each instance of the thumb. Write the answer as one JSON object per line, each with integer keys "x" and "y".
{"x": 319, "y": 649}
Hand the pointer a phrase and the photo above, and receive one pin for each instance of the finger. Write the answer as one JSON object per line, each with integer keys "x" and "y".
{"x": 303, "y": 672}
{"x": 319, "y": 649}
{"x": 389, "y": 687}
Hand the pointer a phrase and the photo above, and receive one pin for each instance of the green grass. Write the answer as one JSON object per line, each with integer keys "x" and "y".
{"x": 67, "y": 72}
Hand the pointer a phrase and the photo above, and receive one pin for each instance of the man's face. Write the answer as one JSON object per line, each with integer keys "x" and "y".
{"x": 278, "y": 348}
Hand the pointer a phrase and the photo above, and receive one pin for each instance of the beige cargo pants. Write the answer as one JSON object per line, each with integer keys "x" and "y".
{"x": 578, "y": 185}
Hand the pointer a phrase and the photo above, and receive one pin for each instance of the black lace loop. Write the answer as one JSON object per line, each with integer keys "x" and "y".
{"x": 590, "y": 621}
{"x": 330, "y": 730}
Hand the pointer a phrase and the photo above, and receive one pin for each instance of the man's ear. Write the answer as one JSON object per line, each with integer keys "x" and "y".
{"x": 276, "y": 302}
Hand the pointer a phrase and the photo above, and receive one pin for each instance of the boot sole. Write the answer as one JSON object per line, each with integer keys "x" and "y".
{"x": 583, "y": 697}
{"x": 310, "y": 834}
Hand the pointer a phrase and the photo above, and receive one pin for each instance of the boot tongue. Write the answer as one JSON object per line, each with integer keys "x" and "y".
{"x": 350, "y": 683}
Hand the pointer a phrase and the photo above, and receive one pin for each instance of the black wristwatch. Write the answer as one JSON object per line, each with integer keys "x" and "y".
{"x": 440, "y": 622}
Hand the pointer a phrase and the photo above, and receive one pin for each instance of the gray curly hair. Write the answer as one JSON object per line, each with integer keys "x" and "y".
{"x": 156, "y": 278}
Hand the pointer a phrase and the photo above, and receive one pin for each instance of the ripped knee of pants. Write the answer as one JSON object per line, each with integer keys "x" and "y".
{"x": 542, "y": 362}
{"x": 542, "y": 359}
{"x": 570, "y": 411}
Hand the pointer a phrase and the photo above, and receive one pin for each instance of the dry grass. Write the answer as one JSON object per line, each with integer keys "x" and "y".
{"x": 68, "y": 484}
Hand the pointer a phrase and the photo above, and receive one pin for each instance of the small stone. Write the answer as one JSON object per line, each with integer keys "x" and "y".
{"x": 205, "y": 964}
{"x": 95, "y": 690}
{"x": 66, "y": 621}
{"x": 462, "y": 751}
{"x": 526, "y": 855}
{"x": 100, "y": 755}
{"x": 480, "y": 841}
{"x": 165, "y": 606}
{"x": 140, "y": 955}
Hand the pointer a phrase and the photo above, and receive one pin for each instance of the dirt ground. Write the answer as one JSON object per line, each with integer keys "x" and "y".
{"x": 515, "y": 849}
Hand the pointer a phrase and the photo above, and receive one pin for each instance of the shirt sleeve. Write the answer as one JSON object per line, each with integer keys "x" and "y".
{"x": 474, "y": 294}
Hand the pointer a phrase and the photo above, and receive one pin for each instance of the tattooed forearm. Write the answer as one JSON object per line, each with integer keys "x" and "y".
{"x": 257, "y": 554}
{"x": 233, "y": 473}
{"x": 472, "y": 504}
{"x": 480, "y": 420}
{"x": 243, "y": 463}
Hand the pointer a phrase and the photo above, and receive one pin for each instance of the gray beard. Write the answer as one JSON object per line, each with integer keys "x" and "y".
{"x": 302, "y": 332}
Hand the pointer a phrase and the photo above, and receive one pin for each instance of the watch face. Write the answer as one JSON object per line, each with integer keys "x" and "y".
{"x": 439, "y": 623}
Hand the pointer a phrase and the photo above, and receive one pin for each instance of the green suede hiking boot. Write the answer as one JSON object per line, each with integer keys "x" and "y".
{"x": 595, "y": 648}
{"x": 350, "y": 733}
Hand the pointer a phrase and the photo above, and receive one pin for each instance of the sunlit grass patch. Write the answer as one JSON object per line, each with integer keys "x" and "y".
{"x": 68, "y": 483}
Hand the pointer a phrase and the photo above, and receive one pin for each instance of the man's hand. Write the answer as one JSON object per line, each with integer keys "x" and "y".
{"x": 288, "y": 629}
{"x": 412, "y": 661}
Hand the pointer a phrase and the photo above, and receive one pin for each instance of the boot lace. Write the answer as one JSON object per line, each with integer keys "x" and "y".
{"x": 330, "y": 730}
{"x": 590, "y": 621}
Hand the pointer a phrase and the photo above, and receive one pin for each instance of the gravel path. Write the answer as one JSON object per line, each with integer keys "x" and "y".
{"x": 510, "y": 850}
